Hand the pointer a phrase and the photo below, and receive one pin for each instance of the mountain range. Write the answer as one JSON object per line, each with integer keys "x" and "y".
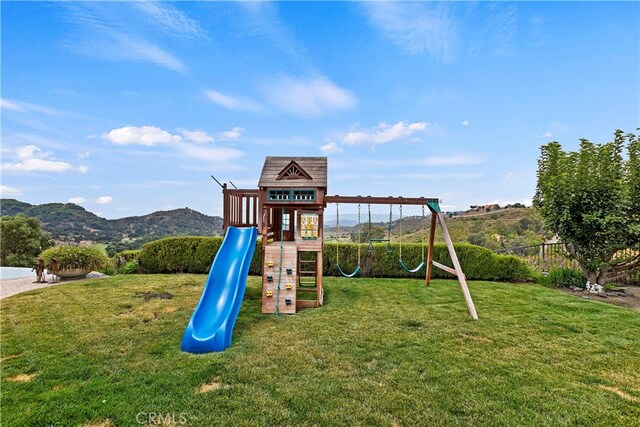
{"x": 73, "y": 223}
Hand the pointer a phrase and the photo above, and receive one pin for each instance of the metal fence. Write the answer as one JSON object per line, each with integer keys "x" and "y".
{"x": 546, "y": 256}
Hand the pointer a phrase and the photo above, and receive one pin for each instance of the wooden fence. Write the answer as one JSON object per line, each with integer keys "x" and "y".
{"x": 546, "y": 256}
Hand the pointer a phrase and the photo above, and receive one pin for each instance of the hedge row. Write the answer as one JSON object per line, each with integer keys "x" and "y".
{"x": 195, "y": 254}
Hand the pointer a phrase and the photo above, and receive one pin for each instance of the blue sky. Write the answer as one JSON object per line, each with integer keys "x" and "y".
{"x": 128, "y": 108}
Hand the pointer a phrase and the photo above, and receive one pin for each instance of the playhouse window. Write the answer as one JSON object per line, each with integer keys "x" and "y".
{"x": 305, "y": 195}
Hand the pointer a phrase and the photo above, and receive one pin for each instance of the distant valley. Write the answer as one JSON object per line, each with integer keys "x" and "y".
{"x": 69, "y": 222}
{"x": 494, "y": 227}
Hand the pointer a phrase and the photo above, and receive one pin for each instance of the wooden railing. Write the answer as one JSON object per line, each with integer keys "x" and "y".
{"x": 240, "y": 208}
{"x": 546, "y": 256}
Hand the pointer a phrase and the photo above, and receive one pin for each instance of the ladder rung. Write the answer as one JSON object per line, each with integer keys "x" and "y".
{"x": 307, "y": 289}
{"x": 307, "y": 262}
{"x": 307, "y": 272}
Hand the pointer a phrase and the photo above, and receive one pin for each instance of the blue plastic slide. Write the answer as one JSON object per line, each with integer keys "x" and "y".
{"x": 212, "y": 321}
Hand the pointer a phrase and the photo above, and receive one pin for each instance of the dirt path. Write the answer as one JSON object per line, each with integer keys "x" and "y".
{"x": 631, "y": 300}
{"x": 11, "y": 287}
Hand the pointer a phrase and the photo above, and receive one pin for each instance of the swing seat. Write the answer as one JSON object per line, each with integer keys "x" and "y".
{"x": 357, "y": 270}
{"x": 415, "y": 270}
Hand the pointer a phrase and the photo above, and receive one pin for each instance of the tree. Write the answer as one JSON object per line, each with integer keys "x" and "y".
{"x": 21, "y": 240}
{"x": 591, "y": 199}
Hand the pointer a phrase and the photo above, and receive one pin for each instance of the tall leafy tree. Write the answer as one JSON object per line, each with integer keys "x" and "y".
{"x": 21, "y": 240}
{"x": 591, "y": 199}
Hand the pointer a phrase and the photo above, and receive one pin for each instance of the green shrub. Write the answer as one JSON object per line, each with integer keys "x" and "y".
{"x": 109, "y": 269}
{"x": 563, "y": 278}
{"x": 129, "y": 255}
{"x": 179, "y": 254}
{"x": 195, "y": 254}
{"x": 478, "y": 263}
{"x": 76, "y": 257}
{"x": 130, "y": 267}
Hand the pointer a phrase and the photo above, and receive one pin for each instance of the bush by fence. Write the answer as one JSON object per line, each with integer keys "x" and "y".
{"x": 195, "y": 254}
{"x": 548, "y": 257}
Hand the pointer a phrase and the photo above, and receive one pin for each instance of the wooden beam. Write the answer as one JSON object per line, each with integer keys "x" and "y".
{"x": 390, "y": 200}
{"x": 446, "y": 268}
{"x": 458, "y": 269}
{"x": 432, "y": 237}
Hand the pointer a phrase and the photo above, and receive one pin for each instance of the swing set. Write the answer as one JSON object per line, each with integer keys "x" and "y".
{"x": 426, "y": 262}
{"x": 287, "y": 208}
{"x": 370, "y": 248}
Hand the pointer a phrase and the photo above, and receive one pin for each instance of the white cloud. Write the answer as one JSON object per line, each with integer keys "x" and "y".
{"x": 169, "y": 20}
{"x": 196, "y": 136}
{"x": 310, "y": 97}
{"x": 231, "y": 134}
{"x": 151, "y": 135}
{"x": 9, "y": 191}
{"x": 211, "y": 154}
{"x": 415, "y": 27}
{"x": 235, "y": 103}
{"x": 145, "y": 135}
{"x": 465, "y": 123}
{"x": 10, "y": 105}
{"x": 28, "y": 151}
{"x": 83, "y": 169}
{"x": 24, "y": 107}
{"x": 112, "y": 31}
{"x": 330, "y": 147}
{"x": 262, "y": 21}
{"x": 76, "y": 200}
{"x": 547, "y": 135}
{"x": 30, "y": 158}
{"x": 103, "y": 200}
{"x": 384, "y": 133}
{"x": 37, "y": 165}
{"x": 141, "y": 50}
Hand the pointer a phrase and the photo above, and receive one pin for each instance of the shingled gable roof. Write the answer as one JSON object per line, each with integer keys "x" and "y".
{"x": 274, "y": 167}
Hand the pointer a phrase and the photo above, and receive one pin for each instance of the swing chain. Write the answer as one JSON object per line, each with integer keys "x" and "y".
{"x": 359, "y": 227}
{"x": 401, "y": 232}
{"x": 424, "y": 231}
{"x": 337, "y": 231}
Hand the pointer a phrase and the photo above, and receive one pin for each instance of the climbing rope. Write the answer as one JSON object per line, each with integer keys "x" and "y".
{"x": 280, "y": 263}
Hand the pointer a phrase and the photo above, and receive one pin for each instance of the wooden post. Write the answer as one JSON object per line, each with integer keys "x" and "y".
{"x": 432, "y": 237}
{"x": 225, "y": 208}
{"x": 456, "y": 265}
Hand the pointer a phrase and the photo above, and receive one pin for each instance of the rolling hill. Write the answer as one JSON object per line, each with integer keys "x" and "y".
{"x": 493, "y": 227}
{"x": 72, "y": 223}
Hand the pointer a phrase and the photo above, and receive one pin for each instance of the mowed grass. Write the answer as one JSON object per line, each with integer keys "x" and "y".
{"x": 380, "y": 352}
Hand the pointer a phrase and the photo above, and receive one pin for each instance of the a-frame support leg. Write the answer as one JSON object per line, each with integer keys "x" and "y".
{"x": 456, "y": 266}
{"x": 432, "y": 237}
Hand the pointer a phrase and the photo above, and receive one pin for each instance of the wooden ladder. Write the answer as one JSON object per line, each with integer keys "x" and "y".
{"x": 307, "y": 280}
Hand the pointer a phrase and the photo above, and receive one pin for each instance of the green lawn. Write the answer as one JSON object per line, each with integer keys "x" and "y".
{"x": 380, "y": 352}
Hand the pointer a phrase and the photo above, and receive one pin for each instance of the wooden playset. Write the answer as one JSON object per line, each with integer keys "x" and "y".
{"x": 288, "y": 208}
